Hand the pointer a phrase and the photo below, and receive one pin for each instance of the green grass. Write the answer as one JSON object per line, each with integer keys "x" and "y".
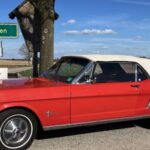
{"x": 27, "y": 73}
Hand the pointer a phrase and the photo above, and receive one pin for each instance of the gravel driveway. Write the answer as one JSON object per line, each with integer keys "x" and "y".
{"x": 118, "y": 136}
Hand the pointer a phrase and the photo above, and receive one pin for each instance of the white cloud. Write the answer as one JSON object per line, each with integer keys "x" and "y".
{"x": 90, "y": 32}
{"x": 134, "y": 40}
{"x": 122, "y": 46}
{"x": 69, "y": 22}
{"x": 72, "y": 32}
{"x": 126, "y": 22}
{"x": 95, "y": 31}
{"x": 78, "y": 47}
{"x": 137, "y": 2}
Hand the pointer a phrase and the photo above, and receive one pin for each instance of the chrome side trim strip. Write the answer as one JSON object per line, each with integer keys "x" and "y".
{"x": 65, "y": 126}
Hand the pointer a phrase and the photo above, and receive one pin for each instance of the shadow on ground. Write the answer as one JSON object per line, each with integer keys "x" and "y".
{"x": 143, "y": 123}
{"x": 89, "y": 129}
{"x": 83, "y": 130}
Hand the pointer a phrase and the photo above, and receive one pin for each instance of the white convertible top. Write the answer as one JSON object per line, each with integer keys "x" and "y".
{"x": 144, "y": 62}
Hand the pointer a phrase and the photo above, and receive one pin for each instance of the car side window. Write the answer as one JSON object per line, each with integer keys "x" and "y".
{"x": 98, "y": 70}
{"x": 114, "y": 72}
{"x": 141, "y": 75}
{"x": 86, "y": 75}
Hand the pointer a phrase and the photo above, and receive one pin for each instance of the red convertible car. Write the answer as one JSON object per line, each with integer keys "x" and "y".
{"x": 77, "y": 90}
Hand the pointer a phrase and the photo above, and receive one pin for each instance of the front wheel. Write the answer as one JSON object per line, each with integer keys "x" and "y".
{"x": 18, "y": 129}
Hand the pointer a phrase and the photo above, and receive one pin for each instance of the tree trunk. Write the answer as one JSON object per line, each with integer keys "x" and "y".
{"x": 47, "y": 45}
{"x": 47, "y": 16}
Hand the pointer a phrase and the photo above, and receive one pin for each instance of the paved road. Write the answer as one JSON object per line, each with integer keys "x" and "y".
{"x": 118, "y": 136}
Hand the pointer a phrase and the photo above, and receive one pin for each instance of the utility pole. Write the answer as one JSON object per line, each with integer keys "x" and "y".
{"x": 36, "y": 19}
{"x": 1, "y": 49}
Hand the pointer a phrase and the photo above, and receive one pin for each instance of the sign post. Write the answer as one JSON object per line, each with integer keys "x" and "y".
{"x": 1, "y": 49}
{"x": 8, "y": 30}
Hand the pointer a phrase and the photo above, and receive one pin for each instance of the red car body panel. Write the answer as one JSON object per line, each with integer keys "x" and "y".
{"x": 73, "y": 103}
{"x": 142, "y": 107}
{"x": 40, "y": 96}
{"x": 103, "y": 101}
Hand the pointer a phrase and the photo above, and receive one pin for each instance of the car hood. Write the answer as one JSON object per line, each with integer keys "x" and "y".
{"x": 28, "y": 83}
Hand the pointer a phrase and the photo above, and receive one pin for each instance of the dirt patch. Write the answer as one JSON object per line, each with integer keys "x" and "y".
{"x": 14, "y": 63}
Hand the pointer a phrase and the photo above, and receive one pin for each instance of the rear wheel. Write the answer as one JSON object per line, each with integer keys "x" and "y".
{"x": 18, "y": 129}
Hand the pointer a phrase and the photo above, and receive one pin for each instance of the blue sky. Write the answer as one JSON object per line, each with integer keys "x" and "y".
{"x": 93, "y": 27}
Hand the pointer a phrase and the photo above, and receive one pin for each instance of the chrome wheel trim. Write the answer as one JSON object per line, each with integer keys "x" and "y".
{"x": 16, "y": 131}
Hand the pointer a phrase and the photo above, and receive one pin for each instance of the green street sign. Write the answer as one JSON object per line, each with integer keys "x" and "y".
{"x": 8, "y": 30}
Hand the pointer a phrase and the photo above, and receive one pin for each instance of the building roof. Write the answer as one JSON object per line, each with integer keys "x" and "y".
{"x": 144, "y": 62}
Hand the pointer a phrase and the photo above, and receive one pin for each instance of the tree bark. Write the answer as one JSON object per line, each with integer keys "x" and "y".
{"x": 47, "y": 17}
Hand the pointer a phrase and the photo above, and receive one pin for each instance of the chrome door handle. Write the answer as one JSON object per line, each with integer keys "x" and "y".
{"x": 135, "y": 85}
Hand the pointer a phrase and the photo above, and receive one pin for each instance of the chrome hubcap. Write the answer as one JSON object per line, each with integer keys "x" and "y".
{"x": 14, "y": 131}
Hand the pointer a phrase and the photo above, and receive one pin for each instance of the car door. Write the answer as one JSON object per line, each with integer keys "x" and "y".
{"x": 112, "y": 94}
{"x": 143, "y": 103}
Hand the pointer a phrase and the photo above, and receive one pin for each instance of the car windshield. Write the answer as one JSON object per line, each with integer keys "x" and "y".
{"x": 66, "y": 69}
